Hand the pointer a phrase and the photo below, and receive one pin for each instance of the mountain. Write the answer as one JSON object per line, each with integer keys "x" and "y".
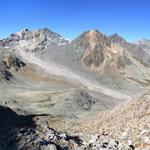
{"x": 43, "y": 73}
{"x": 94, "y": 62}
{"x": 111, "y": 55}
{"x": 40, "y": 36}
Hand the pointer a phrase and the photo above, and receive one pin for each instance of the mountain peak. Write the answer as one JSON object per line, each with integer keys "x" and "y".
{"x": 115, "y": 38}
{"x": 94, "y": 31}
{"x": 94, "y": 34}
{"x": 90, "y": 37}
{"x": 53, "y": 36}
{"x": 35, "y": 37}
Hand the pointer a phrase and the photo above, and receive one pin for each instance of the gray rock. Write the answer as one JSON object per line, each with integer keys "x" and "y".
{"x": 48, "y": 147}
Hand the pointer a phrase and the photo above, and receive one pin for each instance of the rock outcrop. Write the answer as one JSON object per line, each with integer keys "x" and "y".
{"x": 8, "y": 64}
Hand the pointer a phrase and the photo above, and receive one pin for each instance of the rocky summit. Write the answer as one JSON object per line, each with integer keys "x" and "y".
{"x": 91, "y": 93}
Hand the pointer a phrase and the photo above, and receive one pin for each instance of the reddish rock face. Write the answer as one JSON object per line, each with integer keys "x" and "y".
{"x": 101, "y": 53}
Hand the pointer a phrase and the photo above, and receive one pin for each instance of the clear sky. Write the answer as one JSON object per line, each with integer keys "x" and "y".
{"x": 69, "y": 18}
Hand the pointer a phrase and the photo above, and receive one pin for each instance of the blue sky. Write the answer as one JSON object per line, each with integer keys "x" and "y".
{"x": 69, "y": 18}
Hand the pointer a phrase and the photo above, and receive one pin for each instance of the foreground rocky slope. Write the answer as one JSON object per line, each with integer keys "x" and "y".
{"x": 25, "y": 133}
{"x": 129, "y": 122}
{"x": 124, "y": 128}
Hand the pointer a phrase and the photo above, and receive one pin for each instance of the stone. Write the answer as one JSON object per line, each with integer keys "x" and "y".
{"x": 63, "y": 136}
{"x": 48, "y": 147}
{"x": 145, "y": 136}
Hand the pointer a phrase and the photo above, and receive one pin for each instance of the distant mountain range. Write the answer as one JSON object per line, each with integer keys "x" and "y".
{"x": 108, "y": 55}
